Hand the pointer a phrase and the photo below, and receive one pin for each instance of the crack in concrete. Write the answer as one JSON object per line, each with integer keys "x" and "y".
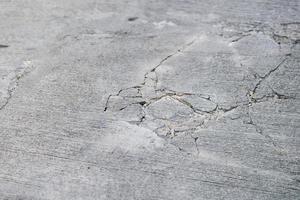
{"x": 251, "y": 93}
{"x": 243, "y": 35}
{"x": 146, "y": 101}
{"x": 265, "y": 98}
{"x": 153, "y": 70}
{"x": 151, "y": 81}
{"x": 253, "y": 100}
{"x": 278, "y": 38}
{"x": 146, "y": 77}
{"x": 274, "y": 95}
{"x": 261, "y": 132}
{"x": 14, "y": 83}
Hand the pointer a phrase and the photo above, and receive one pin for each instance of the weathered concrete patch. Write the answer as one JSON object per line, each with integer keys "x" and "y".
{"x": 131, "y": 138}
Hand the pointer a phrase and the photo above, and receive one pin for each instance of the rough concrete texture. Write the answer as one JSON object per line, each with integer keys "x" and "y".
{"x": 175, "y": 99}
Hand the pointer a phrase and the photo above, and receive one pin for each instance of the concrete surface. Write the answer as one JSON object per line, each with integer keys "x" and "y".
{"x": 174, "y": 99}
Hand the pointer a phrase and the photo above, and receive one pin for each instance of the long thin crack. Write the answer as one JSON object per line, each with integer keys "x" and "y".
{"x": 173, "y": 54}
{"x": 6, "y": 100}
{"x": 153, "y": 70}
{"x": 14, "y": 84}
{"x": 243, "y": 35}
{"x": 260, "y": 131}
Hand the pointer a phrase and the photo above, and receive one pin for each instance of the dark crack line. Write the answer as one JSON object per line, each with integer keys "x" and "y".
{"x": 195, "y": 143}
{"x": 13, "y": 86}
{"x": 171, "y": 55}
{"x": 268, "y": 97}
{"x": 240, "y": 37}
{"x": 7, "y": 99}
{"x": 263, "y": 78}
{"x": 153, "y": 70}
{"x": 107, "y": 102}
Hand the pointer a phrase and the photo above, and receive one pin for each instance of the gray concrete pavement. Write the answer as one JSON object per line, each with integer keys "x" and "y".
{"x": 149, "y": 99}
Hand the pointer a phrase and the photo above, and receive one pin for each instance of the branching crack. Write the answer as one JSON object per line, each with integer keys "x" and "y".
{"x": 203, "y": 117}
{"x": 252, "y": 93}
{"x": 268, "y": 97}
{"x": 154, "y": 79}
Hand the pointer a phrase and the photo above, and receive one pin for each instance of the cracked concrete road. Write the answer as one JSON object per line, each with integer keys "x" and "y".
{"x": 149, "y": 99}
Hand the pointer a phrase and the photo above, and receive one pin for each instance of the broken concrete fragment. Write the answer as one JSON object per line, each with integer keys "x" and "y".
{"x": 200, "y": 104}
{"x": 168, "y": 108}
